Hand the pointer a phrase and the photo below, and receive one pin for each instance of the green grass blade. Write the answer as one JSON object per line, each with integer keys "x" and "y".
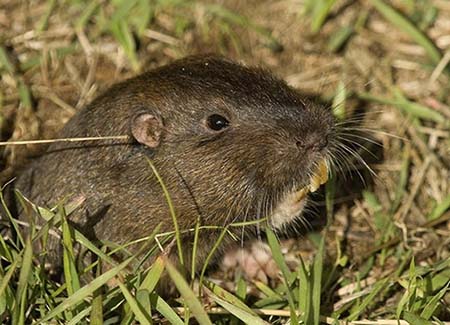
{"x": 339, "y": 38}
{"x": 413, "y": 319}
{"x": 434, "y": 302}
{"x": 86, "y": 291}
{"x": 10, "y": 217}
{"x": 339, "y": 101}
{"x": 243, "y": 315}
{"x": 440, "y": 208}
{"x": 211, "y": 254}
{"x": 5, "y": 280}
{"x": 77, "y": 319}
{"x": 266, "y": 290}
{"x": 87, "y": 13}
{"x": 141, "y": 315}
{"x": 171, "y": 209}
{"x": 163, "y": 307}
{"x": 316, "y": 282}
{"x": 21, "y": 293}
{"x": 228, "y": 297}
{"x": 361, "y": 307}
{"x": 43, "y": 22}
{"x": 304, "y": 291}
{"x": 153, "y": 275}
{"x": 279, "y": 260}
{"x": 122, "y": 33}
{"x": 96, "y": 313}
{"x": 320, "y": 14}
{"x": 5, "y": 63}
{"x": 143, "y": 298}
{"x": 188, "y": 295}
{"x": 406, "y": 26}
{"x": 415, "y": 109}
{"x": 195, "y": 248}
{"x": 25, "y": 95}
{"x": 148, "y": 284}
{"x": 70, "y": 269}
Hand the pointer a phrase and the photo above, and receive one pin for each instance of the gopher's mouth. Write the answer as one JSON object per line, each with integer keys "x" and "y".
{"x": 293, "y": 203}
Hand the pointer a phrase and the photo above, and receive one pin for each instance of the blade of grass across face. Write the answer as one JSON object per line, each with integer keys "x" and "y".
{"x": 171, "y": 209}
{"x": 279, "y": 260}
{"x": 406, "y": 26}
{"x": 188, "y": 295}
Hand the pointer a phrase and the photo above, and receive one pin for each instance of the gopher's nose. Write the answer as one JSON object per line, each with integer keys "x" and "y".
{"x": 313, "y": 142}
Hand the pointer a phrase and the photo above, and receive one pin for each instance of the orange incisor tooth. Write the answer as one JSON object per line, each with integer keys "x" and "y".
{"x": 301, "y": 194}
{"x": 320, "y": 177}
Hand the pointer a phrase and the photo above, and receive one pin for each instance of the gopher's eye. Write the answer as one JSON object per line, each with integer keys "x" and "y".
{"x": 217, "y": 122}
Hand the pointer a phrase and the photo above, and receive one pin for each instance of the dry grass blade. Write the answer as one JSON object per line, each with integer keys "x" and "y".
{"x": 47, "y": 141}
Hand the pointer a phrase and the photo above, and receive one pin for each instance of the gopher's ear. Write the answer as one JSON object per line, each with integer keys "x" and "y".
{"x": 146, "y": 128}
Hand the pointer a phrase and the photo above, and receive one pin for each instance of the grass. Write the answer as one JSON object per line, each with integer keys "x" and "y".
{"x": 383, "y": 257}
